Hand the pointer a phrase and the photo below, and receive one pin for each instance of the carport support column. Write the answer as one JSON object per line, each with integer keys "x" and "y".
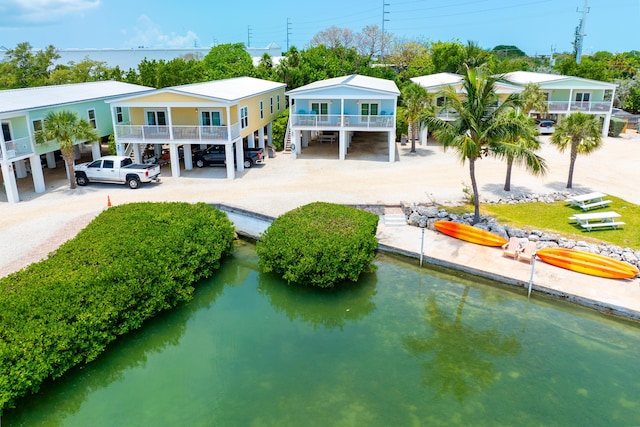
{"x": 10, "y": 185}
{"x": 424, "y": 134}
{"x": 269, "y": 134}
{"x": 51, "y": 159}
{"x": 240, "y": 154}
{"x": 392, "y": 146}
{"x": 95, "y": 150}
{"x": 228, "y": 153}
{"x": 605, "y": 125}
{"x": 175, "y": 160}
{"x": 343, "y": 145}
{"x": 188, "y": 158}
{"x": 261, "y": 137}
{"x": 137, "y": 156}
{"x": 37, "y": 174}
{"x": 21, "y": 169}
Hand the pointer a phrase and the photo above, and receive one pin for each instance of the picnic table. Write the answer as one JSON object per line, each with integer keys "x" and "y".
{"x": 588, "y": 201}
{"x": 597, "y": 220}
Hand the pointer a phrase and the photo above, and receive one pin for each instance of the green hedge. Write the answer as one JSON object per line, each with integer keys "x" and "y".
{"x": 127, "y": 265}
{"x": 616, "y": 125}
{"x": 319, "y": 244}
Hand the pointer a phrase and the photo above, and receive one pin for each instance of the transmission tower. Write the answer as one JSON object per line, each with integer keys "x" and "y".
{"x": 384, "y": 19}
{"x": 288, "y": 32}
{"x": 248, "y": 35}
{"x": 580, "y": 31}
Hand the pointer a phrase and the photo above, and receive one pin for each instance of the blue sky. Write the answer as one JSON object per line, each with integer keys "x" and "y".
{"x": 533, "y": 26}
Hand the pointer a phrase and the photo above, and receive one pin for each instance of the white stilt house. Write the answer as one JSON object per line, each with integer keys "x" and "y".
{"x": 335, "y": 109}
{"x": 22, "y": 113}
{"x": 232, "y": 112}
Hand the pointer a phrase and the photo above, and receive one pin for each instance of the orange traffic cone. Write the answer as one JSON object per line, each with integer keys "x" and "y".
{"x": 108, "y": 201}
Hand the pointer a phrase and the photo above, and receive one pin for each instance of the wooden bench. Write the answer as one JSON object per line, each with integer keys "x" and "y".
{"x": 614, "y": 225}
{"x": 588, "y": 206}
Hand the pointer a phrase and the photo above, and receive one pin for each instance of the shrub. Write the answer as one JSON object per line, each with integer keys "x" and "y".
{"x": 279, "y": 129}
{"x": 319, "y": 244}
{"x": 128, "y": 264}
{"x": 616, "y": 125}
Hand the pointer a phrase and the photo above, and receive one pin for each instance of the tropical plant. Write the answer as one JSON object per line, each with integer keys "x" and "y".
{"x": 415, "y": 100}
{"x": 519, "y": 145}
{"x": 533, "y": 98}
{"x": 579, "y": 131}
{"x": 65, "y": 127}
{"x": 478, "y": 131}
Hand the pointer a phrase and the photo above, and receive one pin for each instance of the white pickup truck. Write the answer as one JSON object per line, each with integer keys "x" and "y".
{"x": 116, "y": 169}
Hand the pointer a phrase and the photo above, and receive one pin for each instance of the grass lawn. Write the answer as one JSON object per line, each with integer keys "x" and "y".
{"x": 554, "y": 218}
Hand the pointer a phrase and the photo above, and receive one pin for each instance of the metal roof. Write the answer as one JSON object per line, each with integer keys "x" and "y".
{"x": 229, "y": 90}
{"x": 17, "y": 100}
{"x": 528, "y": 77}
{"x": 353, "y": 81}
{"x": 437, "y": 80}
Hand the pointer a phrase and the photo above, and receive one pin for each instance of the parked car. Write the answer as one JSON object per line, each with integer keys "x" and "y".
{"x": 116, "y": 169}
{"x": 546, "y": 127}
{"x": 216, "y": 155}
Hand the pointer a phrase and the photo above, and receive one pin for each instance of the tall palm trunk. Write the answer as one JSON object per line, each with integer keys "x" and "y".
{"x": 474, "y": 187}
{"x": 572, "y": 162}
{"x": 412, "y": 133}
{"x": 507, "y": 180}
{"x": 69, "y": 158}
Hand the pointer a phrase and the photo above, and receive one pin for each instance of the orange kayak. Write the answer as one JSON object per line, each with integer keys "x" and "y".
{"x": 587, "y": 263}
{"x": 469, "y": 233}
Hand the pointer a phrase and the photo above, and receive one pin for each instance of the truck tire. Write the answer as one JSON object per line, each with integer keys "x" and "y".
{"x": 248, "y": 163}
{"x": 200, "y": 163}
{"x": 81, "y": 179}
{"x": 133, "y": 182}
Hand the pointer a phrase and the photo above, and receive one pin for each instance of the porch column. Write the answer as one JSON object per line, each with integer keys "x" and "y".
{"x": 95, "y": 150}
{"x": 21, "y": 169}
{"x": 605, "y": 125}
{"x": 251, "y": 140}
{"x": 10, "y": 185}
{"x": 157, "y": 151}
{"x": 37, "y": 174}
{"x": 295, "y": 143}
{"x": 424, "y": 135}
{"x": 343, "y": 145}
{"x": 228, "y": 153}
{"x": 261, "y": 137}
{"x": 175, "y": 160}
{"x": 188, "y": 157}
{"x": 392, "y": 146}
{"x": 570, "y": 101}
{"x": 51, "y": 159}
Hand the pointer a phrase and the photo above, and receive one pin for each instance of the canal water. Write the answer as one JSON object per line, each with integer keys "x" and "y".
{"x": 404, "y": 346}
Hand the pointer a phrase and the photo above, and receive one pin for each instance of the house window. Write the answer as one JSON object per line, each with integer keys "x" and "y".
{"x": 211, "y": 118}
{"x": 583, "y": 96}
{"x": 92, "y": 118}
{"x": 6, "y": 131}
{"x": 244, "y": 117}
{"x": 38, "y": 125}
{"x": 278, "y": 101}
{"x": 271, "y": 104}
{"x": 261, "y": 110}
{"x": 440, "y": 101}
{"x": 367, "y": 109}
{"x": 119, "y": 115}
{"x": 321, "y": 108}
{"x": 156, "y": 118}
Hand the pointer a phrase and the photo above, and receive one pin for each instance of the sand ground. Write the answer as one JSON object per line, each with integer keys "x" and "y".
{"x": 41, "y": 222}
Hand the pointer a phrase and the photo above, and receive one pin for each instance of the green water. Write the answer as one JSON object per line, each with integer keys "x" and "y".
{"x": 403, "y": 347}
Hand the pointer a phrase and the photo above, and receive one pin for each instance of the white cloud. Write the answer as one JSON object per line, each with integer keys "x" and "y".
{"x": 19, "y": 12}
{"x": 148, "y": 34}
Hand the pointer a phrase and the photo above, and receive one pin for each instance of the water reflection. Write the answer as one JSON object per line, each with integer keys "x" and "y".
{"x": 327, "y": 308}
{"x": 463, "y": 356}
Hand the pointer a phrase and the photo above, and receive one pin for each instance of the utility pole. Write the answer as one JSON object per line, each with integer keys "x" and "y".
{"x": 552, "y": 60}
{"x": 580, "y": 31}
{"x": 288, "y": 32}
{"x": 248, "y": 35}
{"x": 384, "y": 19}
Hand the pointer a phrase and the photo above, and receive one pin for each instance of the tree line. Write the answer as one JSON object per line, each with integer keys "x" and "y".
{"x": 331, "y": 53}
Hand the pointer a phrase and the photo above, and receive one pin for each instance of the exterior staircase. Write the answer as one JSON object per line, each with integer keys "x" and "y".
{"x": 394, "y": 217}
{"x": 287, "y": 140}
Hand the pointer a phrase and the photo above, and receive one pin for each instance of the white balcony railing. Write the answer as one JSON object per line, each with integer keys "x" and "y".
{"x": 179, "y": 133}
{"x": 342, "y": 120}
{"x": 585, "y": 106}
{"x": 17, "y": 147}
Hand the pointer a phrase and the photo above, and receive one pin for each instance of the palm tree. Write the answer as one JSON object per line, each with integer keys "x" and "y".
{"x": 520, "y": 145}
{"x": 580, "y": 131}
{"x": 478, "y": 131}
{"x": 415, "y": 99}
{"x": 533, "y": 98}
{"x": 66, "y": 128}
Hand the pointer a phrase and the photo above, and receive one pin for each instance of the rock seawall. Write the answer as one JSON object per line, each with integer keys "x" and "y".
{"x": 425, "y": 216}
